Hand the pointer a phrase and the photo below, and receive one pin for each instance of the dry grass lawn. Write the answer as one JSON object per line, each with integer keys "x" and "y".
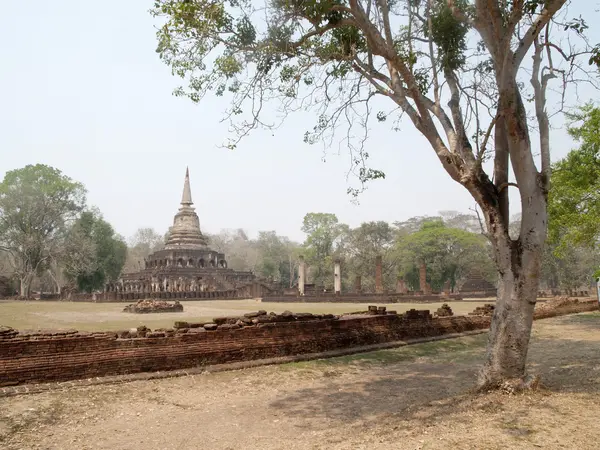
{"x": 414, "y": 397}
{"x": 109, "y": 316}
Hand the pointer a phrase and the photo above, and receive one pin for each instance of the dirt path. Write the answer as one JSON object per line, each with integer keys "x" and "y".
{"x": 407, "y": 398}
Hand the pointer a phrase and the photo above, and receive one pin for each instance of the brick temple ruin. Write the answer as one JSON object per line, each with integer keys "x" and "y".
{"x": 186, "y": 267}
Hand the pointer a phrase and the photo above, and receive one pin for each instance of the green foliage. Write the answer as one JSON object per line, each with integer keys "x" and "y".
{"x": 449, "y": 254}
{"x": 449, "y": 34}
{"x": 37, "y": 202}
{"x": 323, "y": 235}
{"x": 570, "y": 268}
{"x": 107, "y": 256}
{"x": 269, "y": 256}
{"x": 360, "y": 248}
{"x": 277, "y": 258}
{"x": 574, "y": 200}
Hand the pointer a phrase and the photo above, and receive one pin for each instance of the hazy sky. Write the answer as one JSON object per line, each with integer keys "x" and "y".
{"x": 82, "y": 89}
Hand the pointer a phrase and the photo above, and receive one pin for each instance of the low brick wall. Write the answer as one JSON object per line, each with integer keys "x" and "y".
{"x": 109, "y": 297}
{"x": 59, "y": 356}
{"x": 363, "y": 298}
{"x": 562, "y": 310}
{"x": 41, "y": 358}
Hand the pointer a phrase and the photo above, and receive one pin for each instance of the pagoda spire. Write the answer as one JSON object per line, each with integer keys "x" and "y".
{"x": 186, "y": 198}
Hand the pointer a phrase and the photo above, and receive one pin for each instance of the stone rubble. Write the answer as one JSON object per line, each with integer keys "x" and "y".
{"x": 444, "y": 311}
{"x": 153, "y": 306}
{"x": 485, "y": 310}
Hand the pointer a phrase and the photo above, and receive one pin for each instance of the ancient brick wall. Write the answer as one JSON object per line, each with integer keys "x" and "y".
{"x": 59, "y": 356}
{"x": 363, "y": 298}
{"x": 107, "y": 297}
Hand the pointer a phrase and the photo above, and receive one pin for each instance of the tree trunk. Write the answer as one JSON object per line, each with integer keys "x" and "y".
{"x": 25, "y": 287}
{"x": 56, "y": 283}
{"x": 519, "y": 266}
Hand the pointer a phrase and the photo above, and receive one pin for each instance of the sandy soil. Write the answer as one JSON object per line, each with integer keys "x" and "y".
{"x": 414, "y": 397}
{"x": 110, "y": 316}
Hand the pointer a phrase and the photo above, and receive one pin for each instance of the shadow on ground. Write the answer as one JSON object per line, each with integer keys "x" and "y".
{"x": 440, "y": 375}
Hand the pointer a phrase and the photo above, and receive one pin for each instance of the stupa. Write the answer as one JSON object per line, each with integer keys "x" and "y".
{"x": 186, "y": 263}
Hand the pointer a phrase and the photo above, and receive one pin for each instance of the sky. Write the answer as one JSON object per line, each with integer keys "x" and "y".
{"x": 82, "y": 89}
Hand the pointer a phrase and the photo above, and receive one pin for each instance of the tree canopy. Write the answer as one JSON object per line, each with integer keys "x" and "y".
{"x": 37, "y": 205}
{"x": 575, "y": 197}
{"x": 144, "y": 242}
{"x": 454, "y": 68}
{"x": 450, "y": 254}
{"x": 106, "y": 253}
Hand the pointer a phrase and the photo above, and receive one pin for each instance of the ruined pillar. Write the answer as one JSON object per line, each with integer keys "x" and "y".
{"x": 337, "y": 277}
{"x": 301, "y": 275}
{"x": 401, "y": 286}
{"x": 358, "y": 284}
{"x": 379, "y": 275}
{"x": 425, "y": 288}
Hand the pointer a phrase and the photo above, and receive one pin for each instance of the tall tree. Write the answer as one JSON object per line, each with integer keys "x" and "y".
{"x": 277, "y": 257}
{"x": 574, "y": 203}
{"x": 448, "y": 253}
{"x": 323, "y": 232}
{"x": 365, "y": 244}
{"x": 144, "y": 242}
{"x": 240, "y": 250}
{"x": 456, "y": 219}
{"x": 339, "y": 56}
{"x": 570, "y": 268}
{"x": 96, "y": 254}
{"x": 37, "y": 205}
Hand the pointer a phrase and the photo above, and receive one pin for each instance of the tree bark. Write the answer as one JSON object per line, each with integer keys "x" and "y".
{"x": 25, "y": 287}
{"x": 56, "y": 283}
{"x": 519, "y": 266}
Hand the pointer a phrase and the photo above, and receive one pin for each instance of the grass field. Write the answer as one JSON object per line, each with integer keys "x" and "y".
{"x": 109, "y": 316}
{"x": 414, "y": 397}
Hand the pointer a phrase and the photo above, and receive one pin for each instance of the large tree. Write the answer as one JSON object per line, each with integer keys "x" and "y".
{"x": 572, "y": 256}
{"x": 323, "y": 235}
{"x": 37, "y": 205}
{"x": 454, "y": 68}
{"x": 574, "y": 204}
{"x": 278, "y": 258}
{"x": 360, "y": 251}
{"x": 144, "y": 242}
{"x": 95, "y": 253}
{"x": 240, "y": 250}
{"x": 449, "y": 254}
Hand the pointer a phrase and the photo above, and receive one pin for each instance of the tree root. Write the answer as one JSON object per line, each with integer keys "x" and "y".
{"x": 513, "y": 386}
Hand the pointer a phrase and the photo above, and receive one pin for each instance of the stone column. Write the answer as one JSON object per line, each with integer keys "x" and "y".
{"x": 337, "y": 277}
{"x": 301, "y": 275}
{"x": 379, "y": 275}
{"x": 423, "y": 279}
{"x": 358, "y": 284}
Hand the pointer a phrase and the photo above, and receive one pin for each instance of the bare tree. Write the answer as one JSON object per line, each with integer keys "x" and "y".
{"x": 455, "y": 68}
{"x": 144, "y": 242}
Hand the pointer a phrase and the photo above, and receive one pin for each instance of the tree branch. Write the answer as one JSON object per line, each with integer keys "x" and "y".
{"x": 551, "y": 7}
{"x": 539, "y": 88}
